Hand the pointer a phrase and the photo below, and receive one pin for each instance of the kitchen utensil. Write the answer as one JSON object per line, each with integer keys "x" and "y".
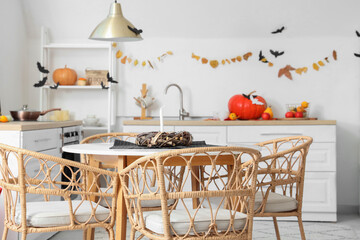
{"x": 29, "y": 115}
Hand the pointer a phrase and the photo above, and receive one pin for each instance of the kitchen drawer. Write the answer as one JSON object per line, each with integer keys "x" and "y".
{"x": 40, "y": 140}
{"x": 254, "y": 134}
{"x": 140, "y": 129}
{"x": 321, "y": 156}
{"x": 212, "y": 135}
{"x": 320, "y": 192}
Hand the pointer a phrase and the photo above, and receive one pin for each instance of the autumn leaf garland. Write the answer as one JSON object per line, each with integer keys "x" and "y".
{"x": 151, "y": 63}
{"x": 215, "y": 63}
{"x": 286, "y": 71}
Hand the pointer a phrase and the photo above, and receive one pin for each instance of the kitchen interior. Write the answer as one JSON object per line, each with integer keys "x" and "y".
{"x": 194, "y": 56}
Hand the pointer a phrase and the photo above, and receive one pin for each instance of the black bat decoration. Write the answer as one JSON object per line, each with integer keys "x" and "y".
{"x": 262, "y": 58}
{"x": 135, "y": 30}
{"x": 276, "y": 53}
{"x": 55, "y": 86}
{"x": 357, "y": 33}
{"x": 357, "y": 54}
{"x": 103, "y": 86}
{"x": 278, "y": 30}
{"x": 41, "y": 82}
{"x": 41, "y": 68}
{"x": 110, "y": 79}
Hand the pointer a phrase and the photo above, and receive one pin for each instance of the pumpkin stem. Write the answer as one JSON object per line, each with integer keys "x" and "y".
{"x": 65, "y": 66}
{"x": 251, "y": 93}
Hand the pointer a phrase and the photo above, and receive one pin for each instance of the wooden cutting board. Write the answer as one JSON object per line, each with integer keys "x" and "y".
{"x": 297, "y": 119}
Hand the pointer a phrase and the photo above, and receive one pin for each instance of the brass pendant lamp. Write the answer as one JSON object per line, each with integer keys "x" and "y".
{"x": 116, "y": 28}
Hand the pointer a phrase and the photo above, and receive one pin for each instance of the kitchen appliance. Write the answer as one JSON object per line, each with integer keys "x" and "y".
{"x": 29, "y": 115}
{"x": 70, "y": 135}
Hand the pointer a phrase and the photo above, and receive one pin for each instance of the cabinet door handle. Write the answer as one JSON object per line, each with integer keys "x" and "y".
{"x": 278, "y": 134}
{"x": 42, "y": 140}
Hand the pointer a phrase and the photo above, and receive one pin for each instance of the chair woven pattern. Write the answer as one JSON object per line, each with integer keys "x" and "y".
{"x": 20, "y": 181}
{"x": 170, "y": 183}
{"x": 282, "y": 169}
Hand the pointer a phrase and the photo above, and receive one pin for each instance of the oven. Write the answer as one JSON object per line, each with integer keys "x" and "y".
{"x": 70, "y": 135}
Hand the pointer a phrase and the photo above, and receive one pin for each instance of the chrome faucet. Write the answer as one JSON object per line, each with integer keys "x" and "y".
{"x": 182, "y": 112}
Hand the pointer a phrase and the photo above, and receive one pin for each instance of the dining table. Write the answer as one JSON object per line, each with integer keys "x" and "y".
{"x": 101, "y": 153}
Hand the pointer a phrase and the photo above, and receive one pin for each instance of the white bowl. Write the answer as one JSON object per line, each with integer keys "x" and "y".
{"x": 91, "y": 121}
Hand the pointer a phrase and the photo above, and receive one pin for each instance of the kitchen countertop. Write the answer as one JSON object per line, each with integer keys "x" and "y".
{"x": 229, "y": 123}
{"x": 36, "y": 125}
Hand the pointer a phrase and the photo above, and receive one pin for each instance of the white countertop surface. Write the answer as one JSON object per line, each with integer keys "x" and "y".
{"x": 229, "y": 123}
{"x": 36, "y": 125}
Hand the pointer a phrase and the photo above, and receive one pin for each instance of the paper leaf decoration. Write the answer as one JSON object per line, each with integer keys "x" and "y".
{"x": 148, "y": 62}
{"x": 316, "y": 66}
{"x": 215, "y": 63}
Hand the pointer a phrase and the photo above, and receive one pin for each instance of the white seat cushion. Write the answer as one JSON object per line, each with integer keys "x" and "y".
{"x": 56, "y": 213}
{"x": 276, "y": 202}
{"x": 180, "y": 221}
{"x": 145, "y": 204}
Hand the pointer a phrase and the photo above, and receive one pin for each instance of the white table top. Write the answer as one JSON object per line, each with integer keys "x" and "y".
{"x": 104, "y": 149}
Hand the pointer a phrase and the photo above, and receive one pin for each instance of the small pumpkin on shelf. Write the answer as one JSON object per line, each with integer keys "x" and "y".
{"x": 65, "y": 76}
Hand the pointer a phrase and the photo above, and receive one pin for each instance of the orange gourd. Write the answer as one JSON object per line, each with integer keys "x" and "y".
{"x": 65, "y": 76}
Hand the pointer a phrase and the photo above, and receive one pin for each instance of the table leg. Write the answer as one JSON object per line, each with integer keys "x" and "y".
{"x": 89, "y": 233}
{"x": 121, "y": 214}
{"x": 195, "y": 184}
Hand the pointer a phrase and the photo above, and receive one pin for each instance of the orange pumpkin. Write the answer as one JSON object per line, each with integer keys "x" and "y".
{"x": 65, "y": 76}
{"x": 247, "y": 107}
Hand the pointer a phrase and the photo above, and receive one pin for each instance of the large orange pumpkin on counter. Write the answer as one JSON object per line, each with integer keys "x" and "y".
{"x": 247, "y": 107}
{"x": 65, "y": 76}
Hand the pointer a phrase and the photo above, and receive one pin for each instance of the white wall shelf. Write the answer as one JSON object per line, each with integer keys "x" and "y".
{"x": 96, "y": 87}
{"x": 46, "y": 92}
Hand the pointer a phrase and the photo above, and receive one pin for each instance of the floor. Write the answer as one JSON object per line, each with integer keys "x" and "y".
{"x": 347, "y": 227}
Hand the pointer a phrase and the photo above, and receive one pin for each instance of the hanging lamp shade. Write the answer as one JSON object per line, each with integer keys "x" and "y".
{"x": 116, "y": 27}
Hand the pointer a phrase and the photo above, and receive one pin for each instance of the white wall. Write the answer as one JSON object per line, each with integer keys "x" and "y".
{"x": 12, "y": 55}
{"x": 218, "y": 29}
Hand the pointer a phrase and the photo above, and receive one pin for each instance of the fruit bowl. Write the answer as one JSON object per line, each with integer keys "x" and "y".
{"x": 297, "y": 107}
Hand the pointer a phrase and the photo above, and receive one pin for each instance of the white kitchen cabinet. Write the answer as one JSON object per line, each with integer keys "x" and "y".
{"x": 319, "y": 203}
{"x": 49, "y": 51}
{"x": 211, "y": 134}
{"x": 140, "y": 129}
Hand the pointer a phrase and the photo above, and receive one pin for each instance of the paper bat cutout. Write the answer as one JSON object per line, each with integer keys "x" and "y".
{"x": 357, "y": 33}
{"x": 135, "y": 30}
{"x": 262, "y": 58}
{"x": 41, "y": 68}
{"x": 278, "y": 30}
{"x": 103, "y": 86}
{"x": 55, "y": 86}
{"x": 357, "y": 54}
{"x": 276, "y": 53}
{"x": 110, "y": 79}
{"x": 41, "y": 82}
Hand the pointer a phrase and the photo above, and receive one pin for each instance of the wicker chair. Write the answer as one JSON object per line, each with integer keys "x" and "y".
{"x": 183, "y": 221}
{"x": 21, "y": 183}
{"x": 281, "y": 179}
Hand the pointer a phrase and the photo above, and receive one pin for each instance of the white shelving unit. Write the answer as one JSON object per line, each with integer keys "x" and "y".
{"x": 45, "y": 91}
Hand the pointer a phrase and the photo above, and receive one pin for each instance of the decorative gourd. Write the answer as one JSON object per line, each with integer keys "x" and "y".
{"x": 65, "y": 76}
{"x": 247, "y": 107}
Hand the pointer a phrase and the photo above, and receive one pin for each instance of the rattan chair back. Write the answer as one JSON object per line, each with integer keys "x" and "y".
{"x": 282, "y": 171}
{"x": 192, "y": 195}
{"x": 20, "y": 182}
